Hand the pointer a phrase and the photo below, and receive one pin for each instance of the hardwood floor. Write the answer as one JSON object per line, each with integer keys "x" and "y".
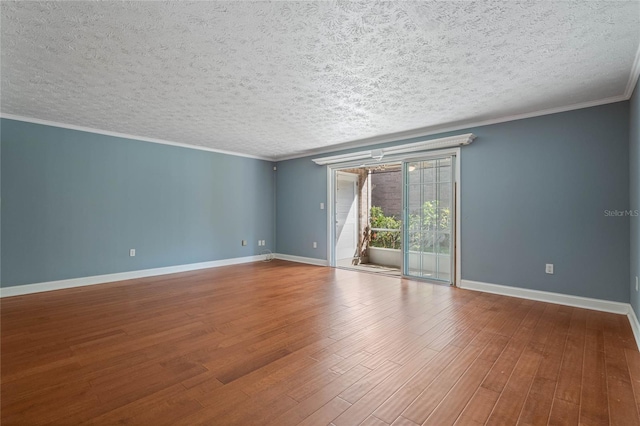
{"x": 283, "y": 344}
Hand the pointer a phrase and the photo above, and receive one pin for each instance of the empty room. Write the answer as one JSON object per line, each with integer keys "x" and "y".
{"x": 320, "y": 213}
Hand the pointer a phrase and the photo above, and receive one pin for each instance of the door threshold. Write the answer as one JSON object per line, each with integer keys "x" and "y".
{"x": 376, "y": 270}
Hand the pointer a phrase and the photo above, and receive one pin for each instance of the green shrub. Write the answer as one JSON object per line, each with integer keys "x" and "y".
{"x": 422, "y": 235}
{"x": 385, "y": 239}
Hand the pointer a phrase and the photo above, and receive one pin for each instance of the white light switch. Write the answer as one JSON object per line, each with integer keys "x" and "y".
{"x": 549, "y": 268}
{"x": 321, "y": 206}
{"x": 315, "y": 244}
{"x": 244, "y": 242}
{"x": 132, "y": 252}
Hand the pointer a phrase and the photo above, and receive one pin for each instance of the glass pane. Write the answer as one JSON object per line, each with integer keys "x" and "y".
{"x": 429, "y": 214}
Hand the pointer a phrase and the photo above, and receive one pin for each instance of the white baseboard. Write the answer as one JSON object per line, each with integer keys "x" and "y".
{"x": 546, "y": 296}
{"x": 121, "y": 276}
{"x": 635, "y": 326}
{"x": 542, "y": 296}
{"x": 560, "y": 299}
{"x": 300, "y": 259}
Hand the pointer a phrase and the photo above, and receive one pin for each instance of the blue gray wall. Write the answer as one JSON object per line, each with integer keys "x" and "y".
{"x": 534, "y": 191}
{"x": 634, "y": 194}
{"x": 74, "y": 203}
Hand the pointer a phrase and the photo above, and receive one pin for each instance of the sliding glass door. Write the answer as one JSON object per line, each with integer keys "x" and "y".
{"x": 429, "y": 218}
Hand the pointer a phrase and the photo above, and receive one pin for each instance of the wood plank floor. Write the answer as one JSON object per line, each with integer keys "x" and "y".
{"x": 283, "y": 344}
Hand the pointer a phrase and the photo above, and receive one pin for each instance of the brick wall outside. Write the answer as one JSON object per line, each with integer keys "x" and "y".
{"x": 386, "y": 193}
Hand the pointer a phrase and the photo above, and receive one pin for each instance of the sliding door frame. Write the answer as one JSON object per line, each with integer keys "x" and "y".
{"x": 406, "y": 251}
{"x": 401, "y": 158}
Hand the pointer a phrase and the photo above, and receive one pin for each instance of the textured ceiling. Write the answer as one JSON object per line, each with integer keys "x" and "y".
{"x": 279, "y": 78}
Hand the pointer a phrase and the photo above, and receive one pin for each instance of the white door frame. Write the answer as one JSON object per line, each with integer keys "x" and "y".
{"x": 333, "y": 168}
{"x": 405, "y": 214}
{"x": 353, "y": 178}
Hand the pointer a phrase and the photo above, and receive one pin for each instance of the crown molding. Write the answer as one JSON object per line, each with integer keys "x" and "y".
{"x": 359, "y": 143}
{"x": 633, "y": 76}
{"x": 379, "y": 154}
{"x": 434, "y": 130}
{"x": 128, "y": 136}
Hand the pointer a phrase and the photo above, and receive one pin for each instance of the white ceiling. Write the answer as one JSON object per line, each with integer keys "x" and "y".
{"x": 276, "y": 79}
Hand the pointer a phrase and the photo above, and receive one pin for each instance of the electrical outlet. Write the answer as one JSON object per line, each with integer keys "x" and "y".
{"x": 321, "y": 206}
{"x": 259, "y": 242}
{"x": 315, "y": 244}
{"x": 244, "y": 242}
{"x": 264, "y": 242}
{"x": 132, "y": 252}
{"x": 549, "y": 268}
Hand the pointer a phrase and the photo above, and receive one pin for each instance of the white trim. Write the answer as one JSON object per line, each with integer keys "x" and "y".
{"x": 410, "y": 148}
{"x": 362, "y": 155}
{"x": 330, "y": 204}
{"x": 635, "y": 326}
{"x": 300, "y": 259}
{"x": 458, "y": 212}
{"x": 392, "y": 137}
{"x": 546, "y": 296}
{"x": 121, "y": 276}
{"x": 633, "y": 76}
{"x": 399, "y": 158}
{"x": 443, "y": 128}
{"x": 457, "y": 153}
{"x": 128, "y": 136}
{"x": 560, "y": 299}
{"x": 352, "y": 179}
